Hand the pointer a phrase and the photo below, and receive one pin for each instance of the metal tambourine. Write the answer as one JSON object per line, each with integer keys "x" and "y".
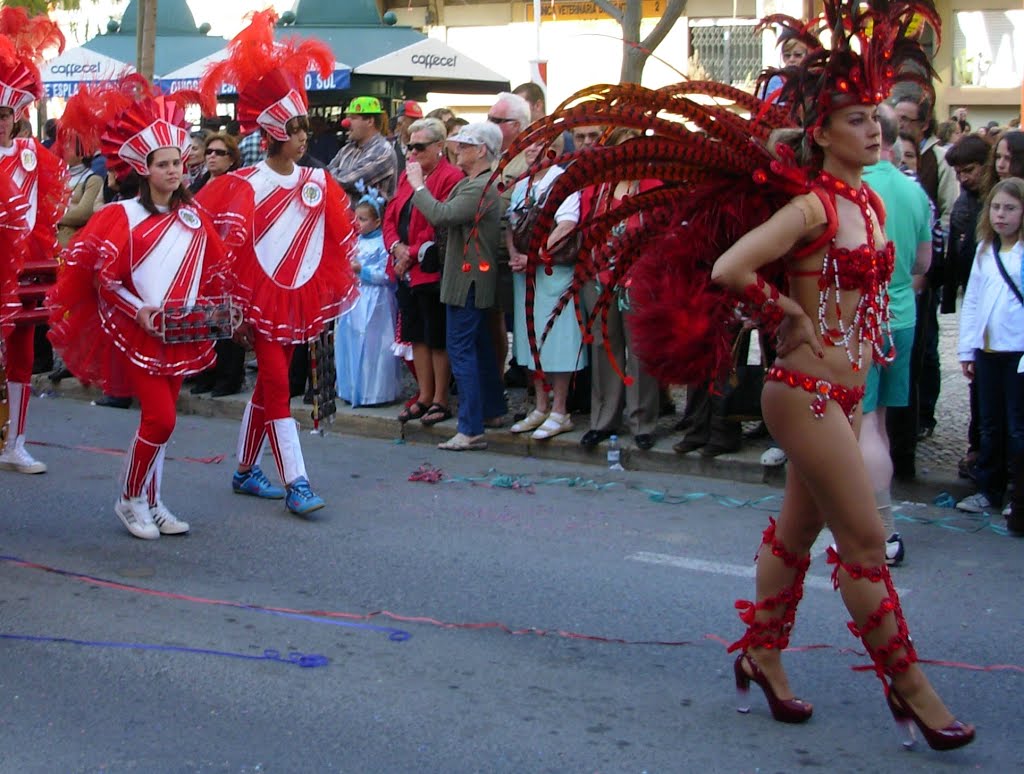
{"x": 209, "y": 320}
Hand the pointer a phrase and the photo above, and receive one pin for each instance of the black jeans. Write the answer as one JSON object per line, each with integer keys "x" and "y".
{"x": 1000, "y": 420}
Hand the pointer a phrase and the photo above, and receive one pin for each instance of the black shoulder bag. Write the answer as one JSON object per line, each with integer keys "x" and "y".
{"x": 996, "y": 244}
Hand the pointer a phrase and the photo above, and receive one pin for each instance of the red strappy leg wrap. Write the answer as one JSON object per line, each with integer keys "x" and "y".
{"x": 897, "y": 653}
{"x": 773, "y": 632}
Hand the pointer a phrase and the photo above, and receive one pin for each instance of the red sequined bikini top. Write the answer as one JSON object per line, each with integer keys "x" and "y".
{"x": 867, "y": 269}
{"x": 862, "y": 268}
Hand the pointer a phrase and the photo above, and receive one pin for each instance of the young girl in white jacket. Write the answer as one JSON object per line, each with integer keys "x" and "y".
{"x": 992, "y": 341}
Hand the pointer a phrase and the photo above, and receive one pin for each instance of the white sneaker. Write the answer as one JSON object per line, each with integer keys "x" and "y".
{"x": 773, "y": 457}
{"x": 16, "y": 458}
{"x": 975, "y": 503}
{"x": 167, "y": 522}
{"x": 134, "y": 514}
{"x": 894, "y": 551}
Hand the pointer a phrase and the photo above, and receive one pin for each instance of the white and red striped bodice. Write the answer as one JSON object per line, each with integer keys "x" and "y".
{"x": 166, "y": 254}
{"x": 289, "y": 222}
{"x": 21, "y": 164}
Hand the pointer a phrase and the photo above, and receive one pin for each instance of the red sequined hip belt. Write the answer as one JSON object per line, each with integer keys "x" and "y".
{"x": 823, "y": 391}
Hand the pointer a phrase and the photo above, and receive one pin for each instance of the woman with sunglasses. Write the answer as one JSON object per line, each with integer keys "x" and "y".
{"x": 417, "y": 257}
{"x": 228, "y": 375}
{"x": 222, "y": 155}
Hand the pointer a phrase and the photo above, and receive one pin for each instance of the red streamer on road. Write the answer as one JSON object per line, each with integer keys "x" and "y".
{"x": 426, "y": 620}
{"x": 214, "y": 460}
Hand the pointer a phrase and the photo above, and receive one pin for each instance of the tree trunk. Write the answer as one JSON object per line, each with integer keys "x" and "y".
{"x": 635, "y": 51}
{"x": 634, "y": 55}
{"x": 147, "y": 40}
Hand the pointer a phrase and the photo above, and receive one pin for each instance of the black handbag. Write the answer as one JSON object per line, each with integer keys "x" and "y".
{"x": 433, "y": 256}
{"x": 523, "y": 222}
{"x": 741, "y": 394}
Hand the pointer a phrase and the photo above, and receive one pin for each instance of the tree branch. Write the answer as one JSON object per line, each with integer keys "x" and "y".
{"x": 611, "y": 9}
{"x": 673, "y": 10}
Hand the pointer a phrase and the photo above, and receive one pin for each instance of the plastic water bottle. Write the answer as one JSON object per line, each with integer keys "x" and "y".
{"x": 614, "y": 454}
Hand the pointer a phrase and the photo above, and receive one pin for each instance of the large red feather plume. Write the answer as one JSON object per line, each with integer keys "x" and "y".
{"x": 31, "y": 35}
{"x": 264, "y": 71}
{"x": 23, "y": 41}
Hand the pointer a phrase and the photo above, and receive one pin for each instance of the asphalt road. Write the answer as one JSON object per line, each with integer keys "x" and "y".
{"x": 601, "y": 559}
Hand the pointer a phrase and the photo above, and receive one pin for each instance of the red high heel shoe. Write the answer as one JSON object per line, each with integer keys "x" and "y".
{"x": 783, "y": 710}
{"x": 956, "y": 734}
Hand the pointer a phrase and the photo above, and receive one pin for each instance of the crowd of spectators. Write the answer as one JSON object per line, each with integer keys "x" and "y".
{"x": 442, "y": 311}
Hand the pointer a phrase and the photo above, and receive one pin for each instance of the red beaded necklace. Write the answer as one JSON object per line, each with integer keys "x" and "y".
{"x": 864, "y": 268}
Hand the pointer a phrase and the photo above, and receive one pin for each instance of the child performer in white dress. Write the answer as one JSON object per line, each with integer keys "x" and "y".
{"x": 368, "y": 370}
{"x": 130, "y": 261}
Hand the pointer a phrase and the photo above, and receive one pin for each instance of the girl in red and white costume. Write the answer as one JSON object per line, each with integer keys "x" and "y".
{"x": 291, "y": 234}
{"x": 131, "y": 260}
{"x": 40, "y": 177}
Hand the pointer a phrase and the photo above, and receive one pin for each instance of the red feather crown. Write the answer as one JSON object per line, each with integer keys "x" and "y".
{"x": 268, "y": 75}
{"x": 23, "y": 40}
{"x": 127, "y": 120}
{"x": 872, "y": 47}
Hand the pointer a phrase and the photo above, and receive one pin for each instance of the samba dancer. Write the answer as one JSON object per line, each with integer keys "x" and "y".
{"x": 291, "y": 234}
{"x": 129, "y": 264}
{"x": 802, "y": 253}
{"x": 41, "y": 178}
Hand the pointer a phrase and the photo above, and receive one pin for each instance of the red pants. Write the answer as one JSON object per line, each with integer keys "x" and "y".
{"x": 158, "y": 396}
{"x": 272, "y": 391}
{"x": 21, "y": 351}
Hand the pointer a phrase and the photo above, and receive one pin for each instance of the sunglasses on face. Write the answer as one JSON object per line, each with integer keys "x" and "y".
{"x": 419, "y": 147}
{"x": 499, "y": 121}
{"x": 216, "y": 152}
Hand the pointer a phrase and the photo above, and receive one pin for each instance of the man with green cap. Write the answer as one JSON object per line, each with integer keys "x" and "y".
{"x": 367, "y": 156}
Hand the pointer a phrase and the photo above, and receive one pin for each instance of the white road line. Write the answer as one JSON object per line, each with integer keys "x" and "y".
{"x": 721, "y": 568}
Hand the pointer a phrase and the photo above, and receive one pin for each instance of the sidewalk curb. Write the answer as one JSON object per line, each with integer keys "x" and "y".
{"x": 380, "y": 423}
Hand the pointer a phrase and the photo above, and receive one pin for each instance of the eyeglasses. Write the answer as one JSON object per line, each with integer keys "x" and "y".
{"x": 499, "y": 120}
{"x": 216, "y": 152}
{"x": 419, "y": 147}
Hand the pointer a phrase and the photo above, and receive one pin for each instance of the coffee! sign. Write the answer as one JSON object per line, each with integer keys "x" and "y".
{"x": 430, "y": 61}
{"x": 75, "y": 70}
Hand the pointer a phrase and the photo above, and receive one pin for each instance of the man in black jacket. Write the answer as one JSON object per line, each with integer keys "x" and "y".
{"x": 968, "y": 157}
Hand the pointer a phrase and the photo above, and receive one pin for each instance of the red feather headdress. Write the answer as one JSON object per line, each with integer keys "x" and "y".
{"x": 23, "y": 40}
{"x": 269, "y": 76}
{"x": 127, "y": 120}
{"x": 871, "y": 48}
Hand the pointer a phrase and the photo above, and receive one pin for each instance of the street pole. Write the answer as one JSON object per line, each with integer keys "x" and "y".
{"x": 538, "y": 66}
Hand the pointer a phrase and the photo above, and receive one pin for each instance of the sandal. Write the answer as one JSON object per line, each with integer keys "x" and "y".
{"x": 463, "y": 442}
{"x": 552, "y": 426}
{"x": 414, "y": 411}
{"x": 531, "y": 421}
{"x": 435, "y": 413}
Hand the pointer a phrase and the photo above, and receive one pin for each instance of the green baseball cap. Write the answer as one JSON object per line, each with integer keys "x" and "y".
{"x": 364, "y": 105}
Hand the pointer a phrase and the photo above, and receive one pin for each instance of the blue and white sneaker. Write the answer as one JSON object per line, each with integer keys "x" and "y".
{"x": 256, "y": 483}
{"x": 301, "y": 499}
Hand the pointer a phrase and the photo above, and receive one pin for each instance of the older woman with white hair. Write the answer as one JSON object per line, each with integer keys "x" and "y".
{"x": 469, "y": 278}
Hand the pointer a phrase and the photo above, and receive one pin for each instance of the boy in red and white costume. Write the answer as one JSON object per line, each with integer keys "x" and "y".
{"x": 41, "y": 178}
{"x": 290, "y": 231}
{"x": 133, "y": 259}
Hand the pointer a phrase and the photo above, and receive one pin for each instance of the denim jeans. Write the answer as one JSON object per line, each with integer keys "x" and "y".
{"x": 472, "y": 357}
{"x": 1001, "y": 418}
